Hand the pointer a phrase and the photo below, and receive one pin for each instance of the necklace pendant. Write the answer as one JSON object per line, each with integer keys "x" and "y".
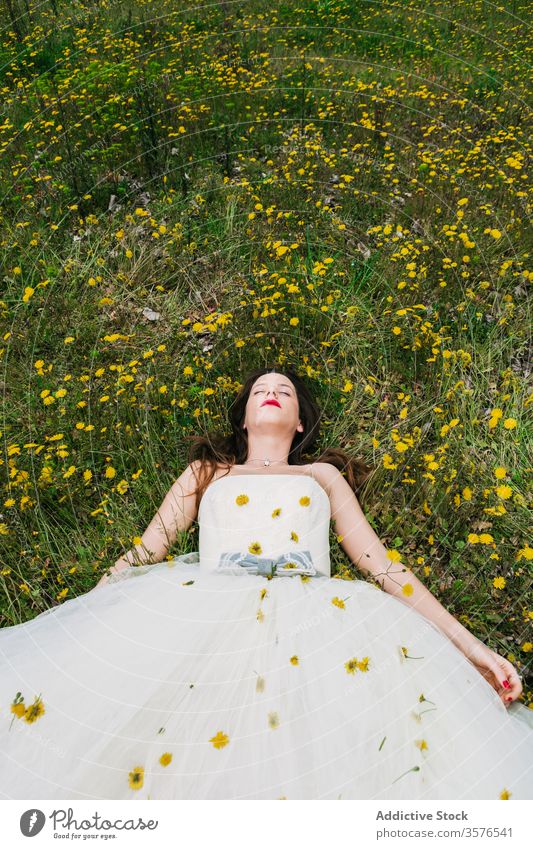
{"x": 267, "y": 462}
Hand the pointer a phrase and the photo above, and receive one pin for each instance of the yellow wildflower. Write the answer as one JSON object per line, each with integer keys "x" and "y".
{"x": 294, "y": 660}
{"x": 499, "y": 583}
{"x": 421, "y": 744}
{"x": 165, "y": 759}
{"x": 136, "y": 778}
{"x": 294, "y": 536}
{"x": 255, "y": 548}
{"x": 505, "y": 794}
{"x": 242, "y": 499}
{"x": 273, "y": 719}
{"x": 219, "y": 740}
{"x": 34, "y": 711}
{"x": 305, "y": 501}
{"x": 338, "y": 602}
{"x": 276, "y": 512}
{"x": 407, "y": 589}
{"x": 353, "y": 664}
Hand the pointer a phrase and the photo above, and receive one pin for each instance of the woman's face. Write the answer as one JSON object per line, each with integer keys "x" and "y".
{"x": 273, "y": 400}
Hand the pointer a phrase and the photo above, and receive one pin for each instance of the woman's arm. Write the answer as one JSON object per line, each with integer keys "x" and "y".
{"x": 176, "y": 513}
{"x": 366, "y": 551}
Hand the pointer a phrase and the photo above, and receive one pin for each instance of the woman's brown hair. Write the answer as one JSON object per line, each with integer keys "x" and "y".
{"x": 216, "y": 449}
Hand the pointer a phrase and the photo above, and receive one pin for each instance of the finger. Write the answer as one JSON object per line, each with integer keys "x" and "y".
{"x": 504, "y": 690}
{"x": 515, "y": 686}
{"x": 512, "y": 683}
{"x": 505, "y": 674}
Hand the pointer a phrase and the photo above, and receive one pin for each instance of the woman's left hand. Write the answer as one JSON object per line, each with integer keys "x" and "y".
{"x": 497, "y": 670}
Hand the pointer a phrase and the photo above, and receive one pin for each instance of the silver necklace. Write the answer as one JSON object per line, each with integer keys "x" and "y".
{"x": 265, "y": 462}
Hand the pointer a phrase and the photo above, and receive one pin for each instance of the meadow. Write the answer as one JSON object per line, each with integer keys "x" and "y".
{"x": 191, "y": 191}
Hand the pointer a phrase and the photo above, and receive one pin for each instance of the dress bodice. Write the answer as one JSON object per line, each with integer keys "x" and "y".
{"x": 266, "y": 515}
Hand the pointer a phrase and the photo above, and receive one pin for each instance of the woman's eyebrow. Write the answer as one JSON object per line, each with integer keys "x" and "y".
{"x": 262, "y": 383}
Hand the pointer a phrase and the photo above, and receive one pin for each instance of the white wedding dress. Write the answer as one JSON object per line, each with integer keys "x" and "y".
{"x": 183, "y": 680}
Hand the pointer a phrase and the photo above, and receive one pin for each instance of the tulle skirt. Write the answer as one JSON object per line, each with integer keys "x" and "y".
{"x": 177, "y": 683}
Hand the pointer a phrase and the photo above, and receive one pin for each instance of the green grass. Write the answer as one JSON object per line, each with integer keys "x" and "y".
{"x": 232, "y": 127}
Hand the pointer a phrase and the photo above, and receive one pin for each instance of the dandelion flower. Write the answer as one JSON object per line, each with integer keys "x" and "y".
{"x": 18, "y": 710}
{"x": 273, "y": 719}
{"x": 219, "y": 740}
{"x": 34, "y": 711}
{"x": 136, "y": 778}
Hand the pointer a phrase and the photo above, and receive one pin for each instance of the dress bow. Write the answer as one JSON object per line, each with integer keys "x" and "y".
{"x": 290, "y": 563}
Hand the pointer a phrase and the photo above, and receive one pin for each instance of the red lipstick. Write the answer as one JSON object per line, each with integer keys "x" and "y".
{"x": 271, "y": 401}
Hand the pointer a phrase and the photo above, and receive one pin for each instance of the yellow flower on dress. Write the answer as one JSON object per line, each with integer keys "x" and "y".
{"x": 276, "y": 512}
{"x": 421, "y": 744}
{"x": 136, "y": 777}
{"x": 273, "y": 719}
{"x": 294, "y": 660}
{"x": 255, "y": 548}
{"x": 17, "y": 705}
{"x": 305, "y": 501}
{"x": 505, "y": 794}
{"x": 338, "y": 602}
{"x": 263, "y": 593}
{"x": 353, "y": 664}
{"x": 219, "y": 740}
{"x": 294, "y": 536}
{"x": 260, "y": 684}
{"x": 34, "y": 711}
{"x": 305, "y": 578}
{"x": 260, "y": 615}
{"x": 404, "y": 653}
{"x": 242, "y": 499}
{"x": 165, "y": 759}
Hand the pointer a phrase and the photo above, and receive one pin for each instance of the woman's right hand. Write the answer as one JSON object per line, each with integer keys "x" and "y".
{"x": 118, "y": 567}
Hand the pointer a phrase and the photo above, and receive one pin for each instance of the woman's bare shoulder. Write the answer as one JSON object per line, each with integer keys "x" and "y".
{"x": 327, "y": 476}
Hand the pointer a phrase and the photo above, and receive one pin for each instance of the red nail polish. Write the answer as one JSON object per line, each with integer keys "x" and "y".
{"x": 506, "y": 684}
